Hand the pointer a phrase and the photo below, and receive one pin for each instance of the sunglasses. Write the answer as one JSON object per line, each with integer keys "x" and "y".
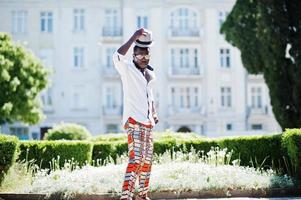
{"x": 139, "y": 56}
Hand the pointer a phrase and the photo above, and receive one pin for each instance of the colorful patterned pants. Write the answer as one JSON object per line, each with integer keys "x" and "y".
{"x": 140, "y": 149}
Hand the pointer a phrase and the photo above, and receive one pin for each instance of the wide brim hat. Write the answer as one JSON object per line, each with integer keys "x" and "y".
{"x": 145, "y": 40}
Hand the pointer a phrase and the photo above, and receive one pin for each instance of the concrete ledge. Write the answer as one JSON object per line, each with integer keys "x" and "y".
{"x": 260, "y": 193}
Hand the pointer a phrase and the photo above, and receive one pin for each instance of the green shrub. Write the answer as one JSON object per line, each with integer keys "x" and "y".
{"x": 291, "y": 142}
{"x": 8, "y": 150}
{"x": 68, "y": 131}
{"x": 256, "y": 151}
{"x": 44, "y": 152}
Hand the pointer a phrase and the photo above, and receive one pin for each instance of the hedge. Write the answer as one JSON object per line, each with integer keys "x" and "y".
{"x": 271, "y": 150}
{"x": 291, "y": 142}
{"x": 257, "y": 151}
{"x": 43, "y": 152}
{"x": 8, "y": 149}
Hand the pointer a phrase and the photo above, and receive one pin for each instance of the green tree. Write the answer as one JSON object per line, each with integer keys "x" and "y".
{"x": 268, "y": 34}
{"x": 22, "y": 77}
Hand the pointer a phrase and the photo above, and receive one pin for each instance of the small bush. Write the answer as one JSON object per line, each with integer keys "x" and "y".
{"x": 68, "y": 131}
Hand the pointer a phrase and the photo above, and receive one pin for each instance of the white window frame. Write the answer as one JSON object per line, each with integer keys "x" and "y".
{"x": 142, "y": 20}
{"x": 185, "y": 60}
{"x": 225, "y": 58}
{"x": 226, "y": 97}
{"x": 222, "y": 16}
{"x": 47, "y": 57}
{"x": 47, "y": 98}
{"x": 19, "y": 21}
{"x": 46, "y": 21}
{"x": 79, "y": 97}
{"x": 108, "y": 56}
{"x": 112, "y": 24}
{"x": 78, "y": 57}
{"x": 79, "y": 19}
{"x": 184, "y": 97}
{"x": 183, "y": 18}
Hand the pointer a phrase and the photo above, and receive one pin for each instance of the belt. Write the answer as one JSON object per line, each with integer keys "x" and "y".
{"x": 131, "y": 122}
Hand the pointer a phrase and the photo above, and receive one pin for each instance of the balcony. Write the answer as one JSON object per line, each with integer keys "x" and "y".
{"x": 252, "y": 111}
{"x": 115, "y": 111}
{"x": 112, "y": 33}
{"x": 110, "y": 72}
{"x": 184, "y": 72}
{"x": 184, "y": 112}
{"x": 184, "y": 34}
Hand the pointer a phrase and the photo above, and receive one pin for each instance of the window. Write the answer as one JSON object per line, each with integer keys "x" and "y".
{"x": 183, "y": 22}
{"x": 185, "y": 97}
{"x": 225, "y": 58}
{"x": 222, "y": 17}
{"x": 142, "y": 21}
{"x": 226, "y": 99}
{"x": 20, "y": 132}
{"x": 46, "y": 97}
{"x": 111, "y": 97}
{"x": 78, "y": 97}
{"x": 196, "y": 97}
{"x": 229, "y": 127}
{"x": 46, "y": 22}
{"x": 256, "y": 97}
{"x": 184, "y": 61}
{"x": 35, "y": 136}
{"x": 46, "y": 56}
{"x": 112, "y": 128}
{"x": 256, "y": 126}
{"x": 78, "y": 19}
{"x": 19, "y": 21}
{"x": 78, "y": 57}
{"x": 109, "y": 58}
{"x": 112, "y": 23}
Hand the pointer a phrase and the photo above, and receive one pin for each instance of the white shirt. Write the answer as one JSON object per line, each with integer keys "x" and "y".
{"x": 137, "y": 92}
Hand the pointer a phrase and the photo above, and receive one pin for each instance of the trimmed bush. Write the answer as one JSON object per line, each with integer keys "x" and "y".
{"x": 8, "y": 150}
{"x": 68, "y": 131}
{"x": 256, "y": 151}
{"x": 291, "y": 142}
{"x": 44, "y": 152}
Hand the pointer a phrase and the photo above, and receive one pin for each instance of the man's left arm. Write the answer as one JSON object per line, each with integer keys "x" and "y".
{"x": 155, "y": 116}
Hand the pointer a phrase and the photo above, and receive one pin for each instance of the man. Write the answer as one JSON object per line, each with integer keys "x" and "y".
{"x": 139, "y": 115}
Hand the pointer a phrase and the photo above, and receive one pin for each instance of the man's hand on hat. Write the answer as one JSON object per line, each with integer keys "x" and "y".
{"x": 139, "y": 32}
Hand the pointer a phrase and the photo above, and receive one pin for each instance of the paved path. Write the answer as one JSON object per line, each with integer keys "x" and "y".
{"x": 244, "y": 198}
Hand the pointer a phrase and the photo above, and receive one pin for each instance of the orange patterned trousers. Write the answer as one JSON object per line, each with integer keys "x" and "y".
{"x": 140, "y": 150}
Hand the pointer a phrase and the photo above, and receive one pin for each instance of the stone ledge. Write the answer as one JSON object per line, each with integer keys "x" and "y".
{"x": 260, "y": 193}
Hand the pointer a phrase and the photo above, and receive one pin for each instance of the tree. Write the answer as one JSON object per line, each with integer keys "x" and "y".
{"x": 22, "y": 77}
{"x": 268, "y": 34}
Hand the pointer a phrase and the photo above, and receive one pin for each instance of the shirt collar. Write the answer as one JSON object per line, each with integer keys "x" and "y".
{"x": 141, "y": 69}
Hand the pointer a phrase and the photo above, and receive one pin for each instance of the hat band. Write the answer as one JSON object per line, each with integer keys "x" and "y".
{"x": 144, "y": 43}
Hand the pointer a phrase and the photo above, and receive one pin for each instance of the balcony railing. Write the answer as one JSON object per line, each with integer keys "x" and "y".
{"x": 258, "y": 111}
{"x": 112, "y": 31}
{"x": 112, "y": 111}
{"x": 185, "y": 70}
{"x": 186, "y": 110}
{"x": 187, "y": 32}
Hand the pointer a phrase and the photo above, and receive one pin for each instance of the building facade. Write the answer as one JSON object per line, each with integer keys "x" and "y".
{"x": 202, "y": 85}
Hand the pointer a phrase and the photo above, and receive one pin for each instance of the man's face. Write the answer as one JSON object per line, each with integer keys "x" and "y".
{"x": 141, "y": 57}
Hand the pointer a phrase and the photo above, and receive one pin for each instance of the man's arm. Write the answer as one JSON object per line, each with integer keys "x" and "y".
{"x": 155, "y": 116}
{"x": 125, "y": 47}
